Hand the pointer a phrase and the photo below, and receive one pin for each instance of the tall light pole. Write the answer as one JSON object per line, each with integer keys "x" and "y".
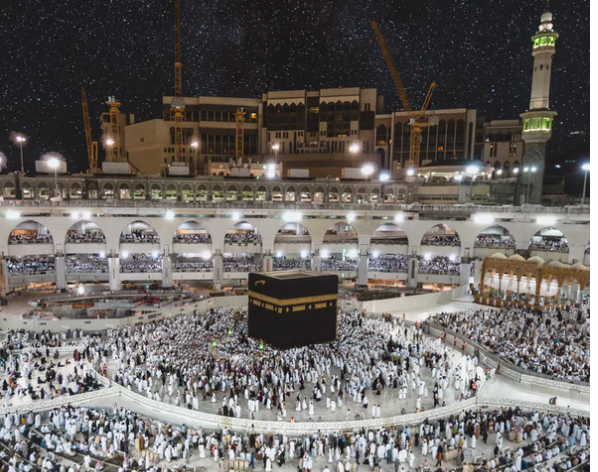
{"x": 276, "y": 148}
{"x": 354, "y": 150}
{"x": 586, "y": 169}
{"x": 473, "y": 171}
{"x": 21, "y": 139}
{"x": 529, "y": 171}
{"x": 54, "y": 163}
{"x": 195, "y": 146}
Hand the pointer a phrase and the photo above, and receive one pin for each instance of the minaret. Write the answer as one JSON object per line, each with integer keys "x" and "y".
{"x": 537, "y": 121}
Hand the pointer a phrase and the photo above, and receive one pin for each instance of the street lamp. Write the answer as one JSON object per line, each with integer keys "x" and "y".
{"x": 54, "y": 163}
{"x": 276, "y": 148}
{"x": 21, "y": 139}
{"x": 384, "y": 177}
{"x": 472, "y": 170}
{"x": 195, "y": 146}
{"x": 367, "y": 170}
{"x": 529, "y": 171}
{"x": 586, "y": 169}
{"x": 410, "y": 172}
{"x": 354, "y": 149}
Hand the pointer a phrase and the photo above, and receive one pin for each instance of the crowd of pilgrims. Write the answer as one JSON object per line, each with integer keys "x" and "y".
{"x": 389, "y": 263}
{"x": 86, "y": 263}
{"x": 164, "y": 362}
{"x": 73, "y": 236}
{"x": 140, "y": 236}
{"x": 192, "y": 238}
{"x": 141, "y": 262}
{"x": 77, "y": 439}
{"x": 441, "y": 240}
{"x": 240, "y": 263}
{"x": 438, "y": 265}
{"x": 291, "y": 232}
{"x": 242, "y": 237}
{"x": 191, "y": 266}
{"x": 289, "y": 263}
{"x": 553, "y": 342}
{"x": 30, "y": 264}
{"x": 32, "y": 369}
{"x": 548, "y": 244}
{"x": 29, "y": 237}
{"x": 333, "y": 263}
{"x": 494, "y": 240}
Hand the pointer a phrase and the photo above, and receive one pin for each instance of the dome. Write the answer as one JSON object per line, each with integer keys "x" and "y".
{"x": 516, "y": 257}
{"x": 546, "y": 17}
{"x": 536, "y": 260}
{"x": 556, "y": 264}
{"x": 498, "y": 255}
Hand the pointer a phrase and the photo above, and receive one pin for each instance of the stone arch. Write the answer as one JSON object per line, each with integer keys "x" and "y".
{"x": 27, "y": 191}
{"x": 171, "y": 192}
{"x": 192, "y": 232}
{"x": 9, "y": 190}
{"x": 441, "y": 235}
{"x": 107, "y": 191}
{"x": 138, "y": 231}
{"x": 243, "y": 232}
{"x": 341, "y": 231}
{"x": 389, "y": 233}
{"x": 549, "y": 239}
{"x": 43, "y": 191}
{"x": 85, "y": 231}
{"x": 30, "y": 232}
{"x": 296, "y": 235}
{"x": 124, "y": 192}
{"x": 305, "y": 195}
{"x": 502, "y": 234}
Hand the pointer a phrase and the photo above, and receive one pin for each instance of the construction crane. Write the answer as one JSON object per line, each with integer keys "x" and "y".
{"x": 177, "y": 108}
{"x": 239, "y": 134}
{"x": 417, "y": 118}
{"x": 92, "y": 146}
{"x": 113, "y": 141}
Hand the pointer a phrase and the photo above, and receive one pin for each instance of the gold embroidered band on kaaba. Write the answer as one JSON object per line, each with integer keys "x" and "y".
{"x": 293, "y": 301}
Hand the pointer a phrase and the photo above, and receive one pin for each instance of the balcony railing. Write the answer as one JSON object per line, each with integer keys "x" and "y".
{"x": 452, "y": 209}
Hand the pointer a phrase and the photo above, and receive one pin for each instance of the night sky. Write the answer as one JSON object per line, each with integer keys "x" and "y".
{"x": 478, "y": 51}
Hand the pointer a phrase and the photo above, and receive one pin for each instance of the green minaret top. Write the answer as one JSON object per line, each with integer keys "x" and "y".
{"x": 546, "y": 36}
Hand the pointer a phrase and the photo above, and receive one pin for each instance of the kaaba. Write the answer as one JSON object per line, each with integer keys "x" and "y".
{"x": 293, "y": 308}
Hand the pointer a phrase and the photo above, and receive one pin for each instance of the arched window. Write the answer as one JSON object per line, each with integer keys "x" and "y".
{"x": 108, "y": 191}
{"x": 125, "y": 193}
{"x": 171, "y": 192}
{"x": 139, "y": 193}
{"x": 156, "y": 192}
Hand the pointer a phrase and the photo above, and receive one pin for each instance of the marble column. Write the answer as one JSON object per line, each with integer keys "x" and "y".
{"x": 114, "y": 272}
{"x": 60, "y": 268}
{"x": 166, "y": 270}
{"x": 6, "y": 287}
{"x": 316, "y": 263}
{"x": 412, "y": 272}
{"x": 217, "y": 270}
{"x": 267, "y": 263}
{"x": 362, "y": 269}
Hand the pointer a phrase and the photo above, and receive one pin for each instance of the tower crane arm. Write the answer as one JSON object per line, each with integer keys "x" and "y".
{"x": 428, "y": 98}
{"x": 396, "y": 78}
